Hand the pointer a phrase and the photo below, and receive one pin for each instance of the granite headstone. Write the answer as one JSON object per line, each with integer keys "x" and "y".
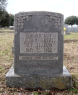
{"x": 38, "y": 52}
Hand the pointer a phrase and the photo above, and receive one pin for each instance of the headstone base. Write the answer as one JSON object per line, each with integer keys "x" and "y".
{"x": 60, "y": 81}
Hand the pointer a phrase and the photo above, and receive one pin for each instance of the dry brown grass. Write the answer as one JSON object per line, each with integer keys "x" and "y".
{"x": 6, "y": 58}
{"x": 71, "y": 56}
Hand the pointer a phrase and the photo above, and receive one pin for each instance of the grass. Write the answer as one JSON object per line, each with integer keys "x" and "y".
{"x": 6, "y": 30}
{"x": 6, "y": 42}
{"x": 6, "y": 60}
{"x": 73, "y": 35}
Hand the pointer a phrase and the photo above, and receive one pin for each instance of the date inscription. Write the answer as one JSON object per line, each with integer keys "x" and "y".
{"x": 38, "y": 42}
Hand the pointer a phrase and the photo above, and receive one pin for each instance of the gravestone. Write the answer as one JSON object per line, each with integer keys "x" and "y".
{"x": 38, "y": 52}
{"x": 67, "y": 29}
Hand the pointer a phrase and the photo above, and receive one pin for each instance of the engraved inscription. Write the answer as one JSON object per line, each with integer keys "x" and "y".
{"x": 38, "y": 42}
{"x": 37, "y": 58}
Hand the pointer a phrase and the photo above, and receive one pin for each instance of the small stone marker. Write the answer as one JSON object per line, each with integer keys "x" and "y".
{"x": 38, "y": 52}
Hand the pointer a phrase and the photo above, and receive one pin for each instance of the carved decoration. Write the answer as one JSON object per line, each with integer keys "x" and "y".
{"x": 22, "y": 16}
{"x": 21, "y": 19}
{"x": 57, "y": 21}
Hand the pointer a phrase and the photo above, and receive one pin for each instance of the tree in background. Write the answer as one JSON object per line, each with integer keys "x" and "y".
{"x": 8, "y": 20}
{"x": 11, "y": 18}
{"x": 3, "y": 4}
{"x": 71, "y": 20}
{"x": 77, "y": 21}
{"x": 5, "y": 22}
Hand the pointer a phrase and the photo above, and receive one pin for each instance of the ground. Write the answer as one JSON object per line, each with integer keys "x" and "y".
{"x": 70, "y": 61}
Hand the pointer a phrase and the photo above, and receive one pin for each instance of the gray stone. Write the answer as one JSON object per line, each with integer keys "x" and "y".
{"x": 70, "y": 29}
{"x": 11, "y": 27}
{"x": 67, "y": 30}
{"x": 38, "y": 51}
{"x": 38, "y": 43}
{"x": 44, "y": 81}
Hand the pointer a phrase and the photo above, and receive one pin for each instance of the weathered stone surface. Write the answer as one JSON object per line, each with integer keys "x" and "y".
{"x": 44, "y": 81}
{"x": 38, "y": 52}
{"x": 38, "y": 43}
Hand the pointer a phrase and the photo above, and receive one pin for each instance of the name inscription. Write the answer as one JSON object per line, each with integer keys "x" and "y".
{"x": 38, "y": 42}
{"x": 38, "y": 58}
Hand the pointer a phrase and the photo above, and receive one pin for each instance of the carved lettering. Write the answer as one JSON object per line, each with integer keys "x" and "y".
{"x": 38, "y": 42}
{"x": 38, "y": 58}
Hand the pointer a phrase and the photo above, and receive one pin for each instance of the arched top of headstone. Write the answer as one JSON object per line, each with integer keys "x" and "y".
{"x": 39, "y": 13}
{"x": 38, "y": 21}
